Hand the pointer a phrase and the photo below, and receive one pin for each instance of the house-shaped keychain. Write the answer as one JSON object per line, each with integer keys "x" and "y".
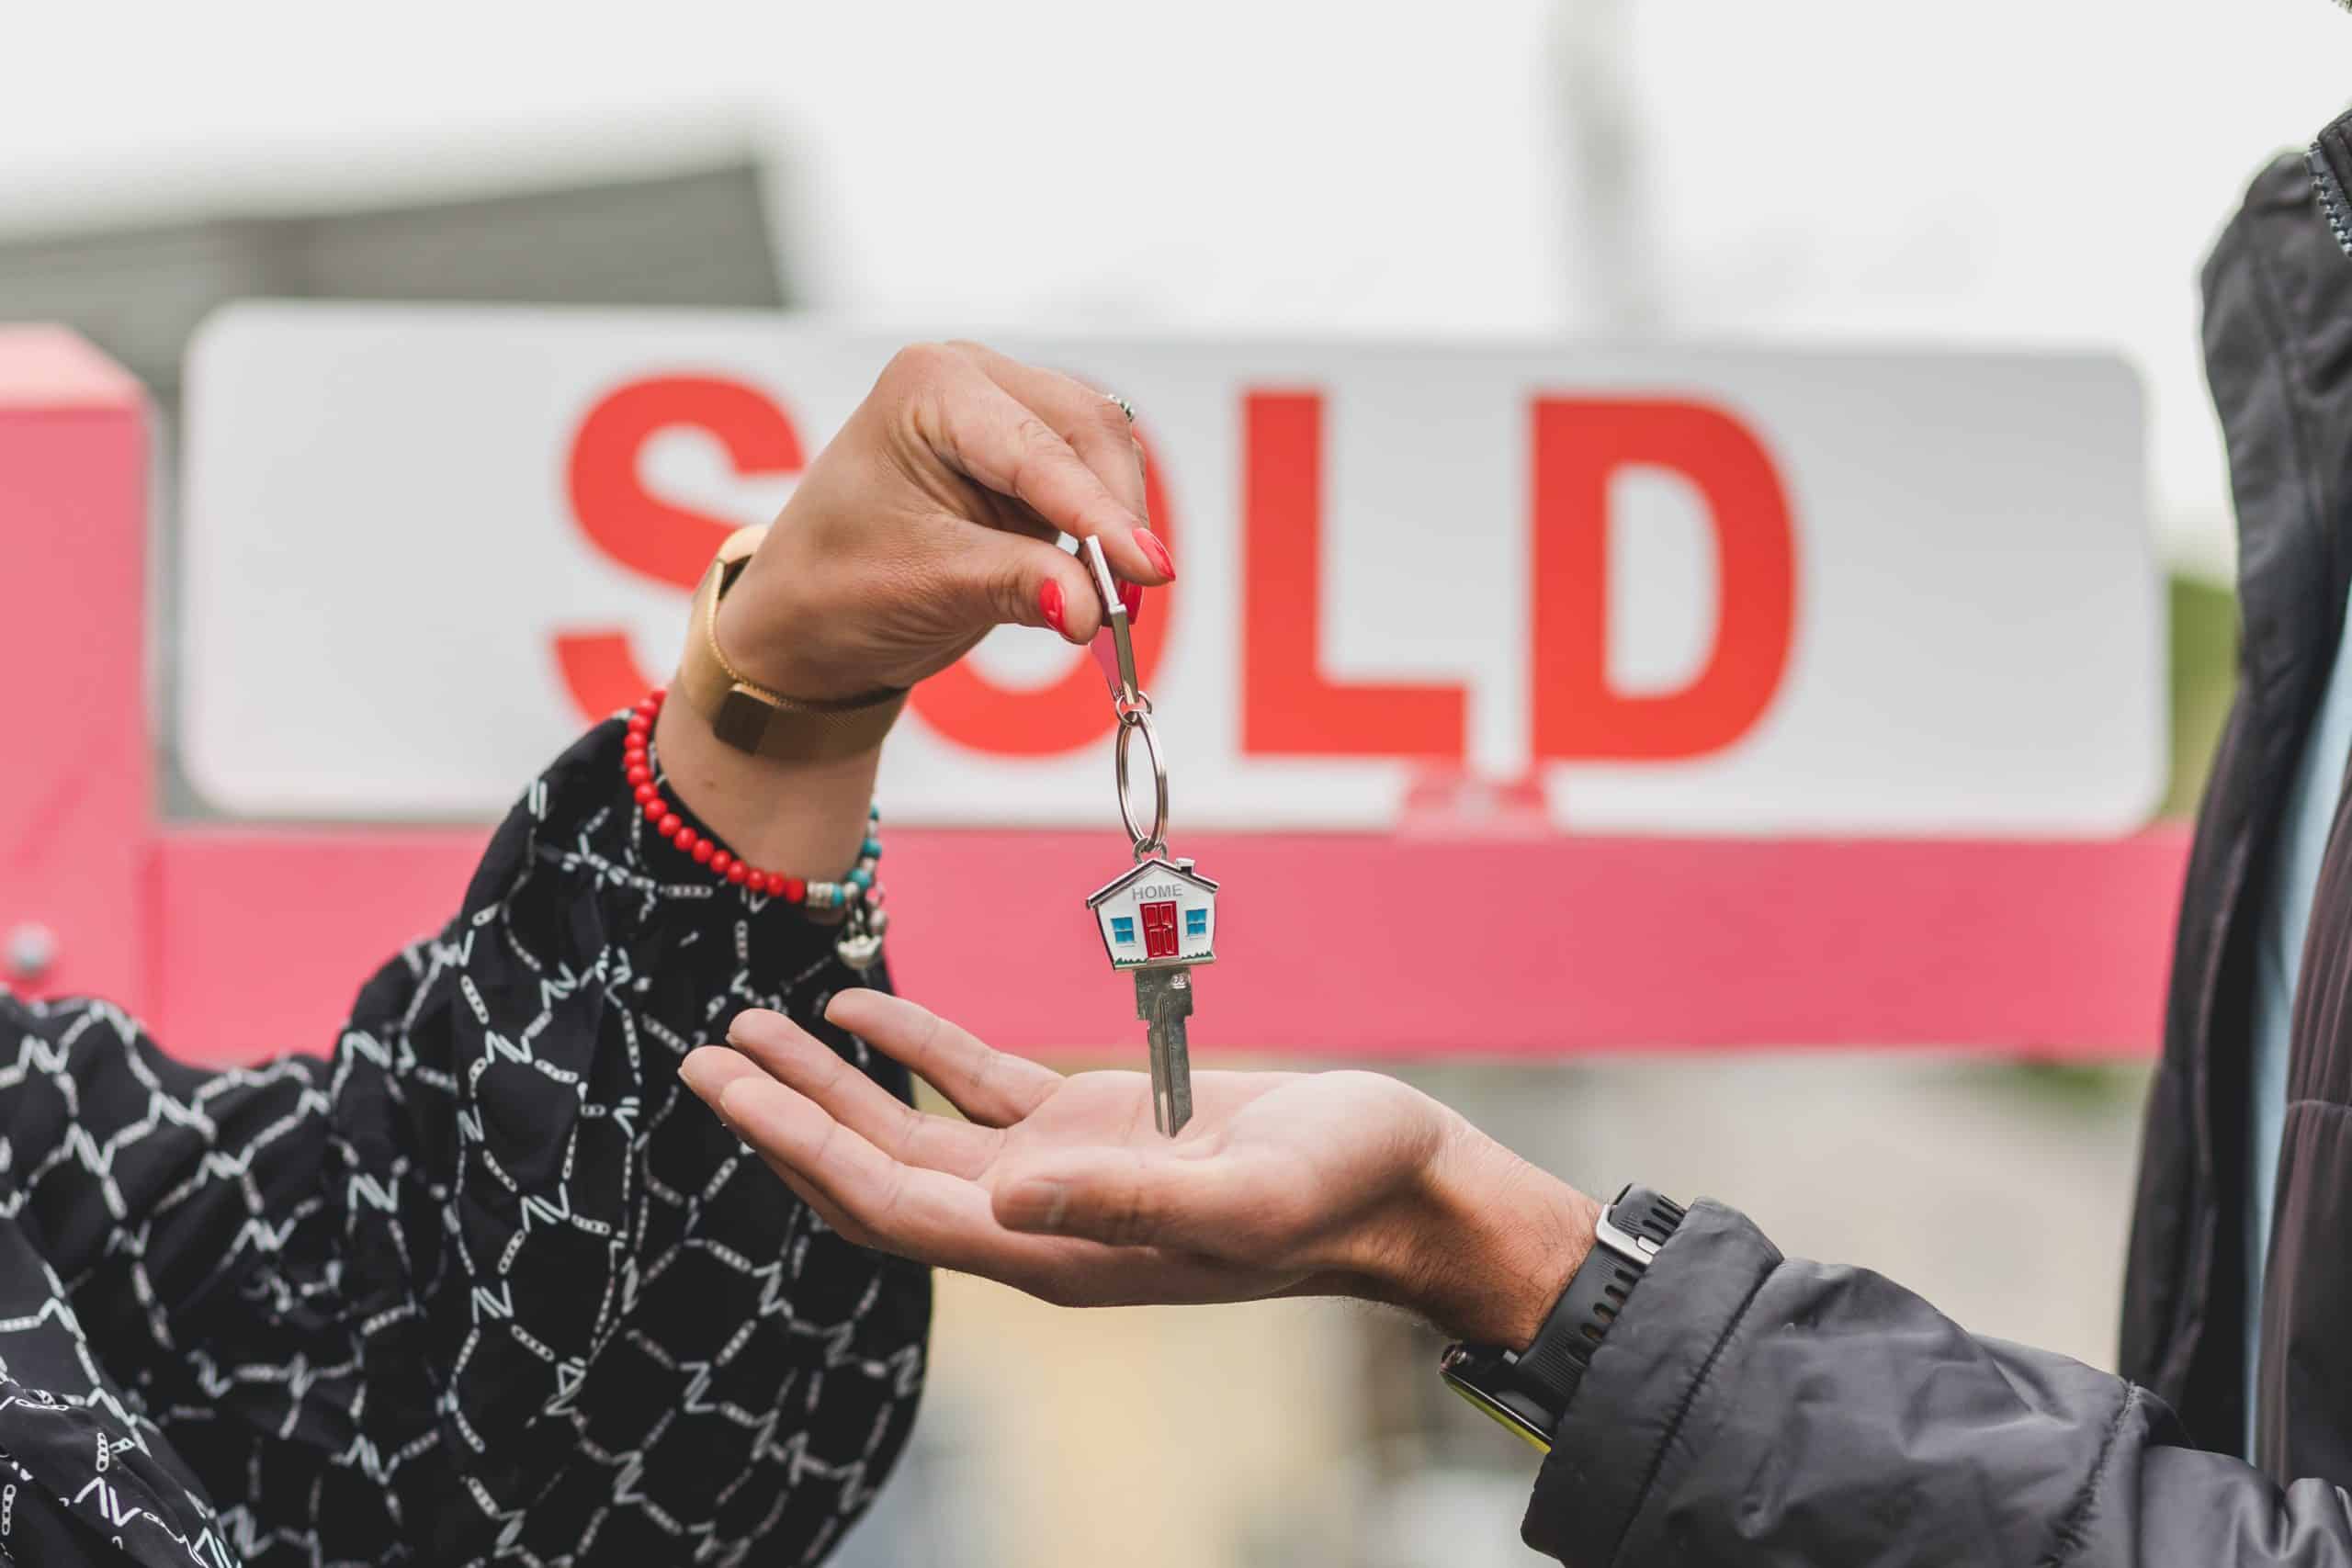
{"x": 1162, "y": 914}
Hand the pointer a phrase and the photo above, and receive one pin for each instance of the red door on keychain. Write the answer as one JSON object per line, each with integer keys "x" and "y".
{"x": 1159, "y": 929}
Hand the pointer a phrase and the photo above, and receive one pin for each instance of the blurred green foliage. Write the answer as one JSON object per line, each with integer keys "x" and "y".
{"x": 2204, "y": 672}
{"x": 2204, "y": 620}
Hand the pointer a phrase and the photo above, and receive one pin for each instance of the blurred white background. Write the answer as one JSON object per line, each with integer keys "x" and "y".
{"x": 2009, "y": 171}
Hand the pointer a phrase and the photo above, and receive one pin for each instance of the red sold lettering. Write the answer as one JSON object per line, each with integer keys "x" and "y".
{"x": 649, "y": 535}
{"x": 1288, "y": 705}
{"x": 1577, "y": 713}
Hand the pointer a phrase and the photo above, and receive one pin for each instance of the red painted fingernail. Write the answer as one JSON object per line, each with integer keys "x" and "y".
{"x": 1131, "y": 595}
{"x": 1151, "y": 547}
{"x": 1049, "y": 604}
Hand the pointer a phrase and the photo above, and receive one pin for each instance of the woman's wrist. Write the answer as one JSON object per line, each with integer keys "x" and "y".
{"x": 766, "y": 623}
{"x": 807, "y": 820}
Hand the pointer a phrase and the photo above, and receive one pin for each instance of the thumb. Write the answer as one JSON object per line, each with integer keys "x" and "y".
{"x": 1123, "y": 1198}
{"x": 1029, "y": 582}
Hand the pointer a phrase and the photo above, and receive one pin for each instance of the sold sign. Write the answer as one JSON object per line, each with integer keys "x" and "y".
{"x": 1715, "y": 699}
{"x": 1288, "y": 708}
{"x": 1632, "y": 590}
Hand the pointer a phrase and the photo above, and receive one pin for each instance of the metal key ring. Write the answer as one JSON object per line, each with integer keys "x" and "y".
{"x": 1156, "y": 841}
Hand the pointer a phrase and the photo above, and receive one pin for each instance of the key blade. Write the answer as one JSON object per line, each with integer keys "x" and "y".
{"x": 1172, "y": 1075}
{"x": 1164, "y": 1000}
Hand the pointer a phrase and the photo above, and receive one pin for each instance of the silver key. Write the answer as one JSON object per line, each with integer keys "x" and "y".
{"x": 1158, "y": 917}
{"x": 1164, "y": 1000}
{"x": 1159, "y": 920}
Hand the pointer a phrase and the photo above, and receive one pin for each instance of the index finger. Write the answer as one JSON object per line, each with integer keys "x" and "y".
{"x": 792, "y": 1054}
{"x": 994, "y": 439}
{"x": 993, "y": 1088}
{"x": 1095, "y": 426}
{"x": 939, "y": 1219}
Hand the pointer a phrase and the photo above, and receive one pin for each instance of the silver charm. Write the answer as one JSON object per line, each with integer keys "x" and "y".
{"x": 860, "y": 943}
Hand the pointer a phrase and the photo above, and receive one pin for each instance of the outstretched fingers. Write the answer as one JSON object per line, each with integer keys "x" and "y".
{"x": 1095, "y": 1252}
{"x": 993, "y": 1088}
{"x": 795, "y": 1057}
{"x": 878, "y": 1201}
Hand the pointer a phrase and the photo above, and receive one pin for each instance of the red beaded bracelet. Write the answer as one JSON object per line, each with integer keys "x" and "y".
{"x": 637, "y": 767}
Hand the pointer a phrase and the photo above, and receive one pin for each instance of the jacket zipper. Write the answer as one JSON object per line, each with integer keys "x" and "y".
{"x": 2331, "y": 197}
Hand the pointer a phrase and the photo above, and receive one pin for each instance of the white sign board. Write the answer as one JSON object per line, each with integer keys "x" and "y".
{"x": 1656, "y": 589}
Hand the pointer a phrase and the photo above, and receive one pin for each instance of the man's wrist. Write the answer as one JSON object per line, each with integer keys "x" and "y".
{"x": 1502, "y": 1239}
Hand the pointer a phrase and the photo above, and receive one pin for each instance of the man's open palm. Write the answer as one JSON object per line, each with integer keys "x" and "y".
{"x": 1282, "y": 1183}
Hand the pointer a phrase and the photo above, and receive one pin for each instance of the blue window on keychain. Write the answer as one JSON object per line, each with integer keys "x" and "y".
{"x": 1197, "y": 922}
{"x": 1123, "y": 930}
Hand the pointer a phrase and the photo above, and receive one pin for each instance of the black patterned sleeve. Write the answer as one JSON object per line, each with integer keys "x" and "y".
{"x": 489, "y": 1284}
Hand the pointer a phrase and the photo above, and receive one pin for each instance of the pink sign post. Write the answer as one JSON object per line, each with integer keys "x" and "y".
{"x": 79, "y": 789}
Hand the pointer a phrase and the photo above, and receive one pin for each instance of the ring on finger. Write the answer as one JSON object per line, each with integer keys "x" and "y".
{"x": 1125, "y": 407}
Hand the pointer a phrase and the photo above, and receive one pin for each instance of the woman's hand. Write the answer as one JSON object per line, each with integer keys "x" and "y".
{"x": 932, "y": 518}
{"x": 1339, "y": 1183}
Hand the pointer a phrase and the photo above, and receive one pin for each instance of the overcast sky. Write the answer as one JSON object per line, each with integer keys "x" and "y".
{"x": 2008, "y": 172}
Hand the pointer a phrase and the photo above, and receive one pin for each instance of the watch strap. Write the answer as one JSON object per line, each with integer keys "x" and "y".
{"x": 1627, "y": 1235}
{"x": 1554, "y": 1361}
{"x": 752, "y": 717}
{"x": 1648, "y": 1217}
{"x": 1530, "y": 1390}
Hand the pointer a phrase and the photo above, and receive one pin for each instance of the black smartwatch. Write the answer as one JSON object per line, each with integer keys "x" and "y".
{"x": 1528, "y": 1391}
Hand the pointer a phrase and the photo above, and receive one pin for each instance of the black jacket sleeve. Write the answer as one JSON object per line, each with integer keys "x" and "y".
{"x": 1749, "y": 1408}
